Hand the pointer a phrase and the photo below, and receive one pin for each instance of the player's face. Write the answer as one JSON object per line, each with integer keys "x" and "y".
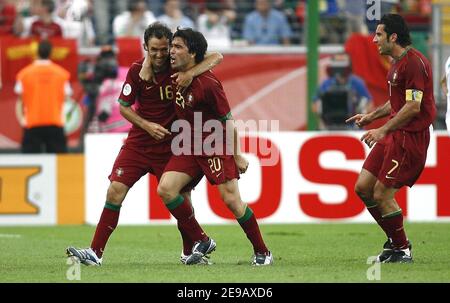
{"x": 381, "y": 40}
{"x": 180, "y": 58}
{"x": 158, "y": 50}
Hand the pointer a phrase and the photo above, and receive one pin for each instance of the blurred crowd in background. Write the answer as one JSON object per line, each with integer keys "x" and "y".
{"x": 225, "y": 23}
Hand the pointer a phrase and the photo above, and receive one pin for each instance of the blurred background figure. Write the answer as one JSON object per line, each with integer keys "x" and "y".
{"x": 266, "y": 26}
{"x": 107, "y": 117}
{"x": 8, "y": 14}
{"x": 43, "y": 87}
{"x": 104, "y": 13}
{"x": 354, "y": 14}
{"x": 341, "y": 95}
{"x": 77, "y": 15}
{"x": 134, "y": 21}
{"x": 215, "y": 24}
{"x": 92, "y": 75}
{"x": 43, "y": 22}
{"x": 173, "y": 16}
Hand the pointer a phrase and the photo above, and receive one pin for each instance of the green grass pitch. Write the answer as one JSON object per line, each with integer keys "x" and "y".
{"x": 303, "y": 253}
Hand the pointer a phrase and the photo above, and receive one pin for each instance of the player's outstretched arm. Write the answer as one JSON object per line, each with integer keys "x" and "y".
{"x": 184, "y": 79}
{"x": 365, "y": 119}
{"x": 154, "y": 129}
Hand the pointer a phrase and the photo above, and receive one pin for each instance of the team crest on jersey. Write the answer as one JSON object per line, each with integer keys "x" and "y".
{"x": 126, "y": 89}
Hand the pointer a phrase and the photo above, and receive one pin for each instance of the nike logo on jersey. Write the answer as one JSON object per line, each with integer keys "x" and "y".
{"x": 389, "y": 177}
{"x": 217, "y": 176}
{"x": 149, "y": 87}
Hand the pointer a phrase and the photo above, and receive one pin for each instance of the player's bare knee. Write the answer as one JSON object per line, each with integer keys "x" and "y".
{"x": 165, "y": 192}
{"x": 363, "y": 191}
{"x": 116, "y": 193}
{"x": 379, "y": 196}
{"x": 232, "y": 202}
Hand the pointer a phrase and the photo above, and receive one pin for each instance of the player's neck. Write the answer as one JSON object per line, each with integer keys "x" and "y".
{"x": 163, "y": 68}
{"x": 190, "y": 65}
{"x": 399, "y": 52}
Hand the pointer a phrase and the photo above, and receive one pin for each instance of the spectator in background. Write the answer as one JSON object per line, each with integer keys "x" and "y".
{"x": 266, "y": 26}
{"x": 43, "y": 24}
{"x": 355, "y": 17}
{"x": 214, "y": 24}
{"x": 341, "y": 95}
{"x": 42, "y": 88}
{"x": 134, "y": 21}
{"x": 156, "y": 6}
{"x": 107, "y": 117}
{"x": 77, "y": 15}
{"x": 332, "y": 24}
{"x": 104, "y": 12}
{"x": 7, "y": 16}
{"x": 174, "y": 17}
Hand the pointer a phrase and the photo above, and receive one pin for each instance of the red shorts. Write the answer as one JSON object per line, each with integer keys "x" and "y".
{"x": 399, "y": 159}
{"x": 217, "y": 169}
{"x": 132, "y": 163}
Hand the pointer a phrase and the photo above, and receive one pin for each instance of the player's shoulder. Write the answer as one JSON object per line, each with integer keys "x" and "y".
{"x": 136, "y": 65}
{"x": 417, "y": 59}
{"x": 208, "y": 79}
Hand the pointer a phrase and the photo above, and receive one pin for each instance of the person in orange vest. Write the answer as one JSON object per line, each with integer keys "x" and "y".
{"x": 42, "y": 87}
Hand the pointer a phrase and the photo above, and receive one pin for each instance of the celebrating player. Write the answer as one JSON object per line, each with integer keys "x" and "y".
{"x": 399, "y": 155}
{"x": 147, "y": 148}
{"x": 204, "y": 102}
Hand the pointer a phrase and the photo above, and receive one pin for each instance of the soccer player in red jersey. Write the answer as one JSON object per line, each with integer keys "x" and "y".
{"x": 202, "y": 105}
{"x": 398, "y": 157}
{"x": 148, "y": 146}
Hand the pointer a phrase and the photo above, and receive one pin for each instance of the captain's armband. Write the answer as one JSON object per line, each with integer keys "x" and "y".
{"x": 414, "y": 95}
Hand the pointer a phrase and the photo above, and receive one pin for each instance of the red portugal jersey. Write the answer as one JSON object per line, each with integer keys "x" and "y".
{"x": 46, "y": 30}
{"x": 153, "y": 102}
{"x": 410, "y": 80}
{"x": 204, "y": 99}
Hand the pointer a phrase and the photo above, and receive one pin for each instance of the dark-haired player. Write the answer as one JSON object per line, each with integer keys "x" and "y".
{"x": 147, "y": 148}
{"x": 399, "y": 155}
{"x": 204, "y": 103}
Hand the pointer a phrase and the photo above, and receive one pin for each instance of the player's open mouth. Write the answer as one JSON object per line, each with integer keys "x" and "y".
{"x": 172, "y": 60}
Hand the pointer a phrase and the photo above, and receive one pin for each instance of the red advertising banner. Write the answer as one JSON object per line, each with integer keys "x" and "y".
{"x": 17, "y": 53}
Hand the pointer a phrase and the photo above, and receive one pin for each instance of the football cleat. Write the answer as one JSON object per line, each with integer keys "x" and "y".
{"x": 261, "y": 259}
{"x": 388, "y": 250}
{"x": 204, "y": 261}
{"x": 86, "y": 256}
{"x": 400, "y": 256}
{"x": 199, "y": 250}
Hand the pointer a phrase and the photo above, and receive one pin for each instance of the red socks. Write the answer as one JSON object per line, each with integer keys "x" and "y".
{"x": 187, "y": 224}
{"x": 251, "y": 229}
{"x": 105, "y": 227}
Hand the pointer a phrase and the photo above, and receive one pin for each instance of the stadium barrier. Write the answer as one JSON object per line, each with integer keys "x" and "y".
{"x": 42, "y": 189}
{"x": 311, "y": 182}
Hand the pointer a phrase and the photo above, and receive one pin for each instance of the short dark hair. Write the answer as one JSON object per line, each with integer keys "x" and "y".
{"x": 394, "y": 23}
{"x": 133, "y": 4}
{"x": 44, "y": 49}
{"x": 157, "y": 30}
{"x": 195, "y": 42}
{"x": 49, "y": 4}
